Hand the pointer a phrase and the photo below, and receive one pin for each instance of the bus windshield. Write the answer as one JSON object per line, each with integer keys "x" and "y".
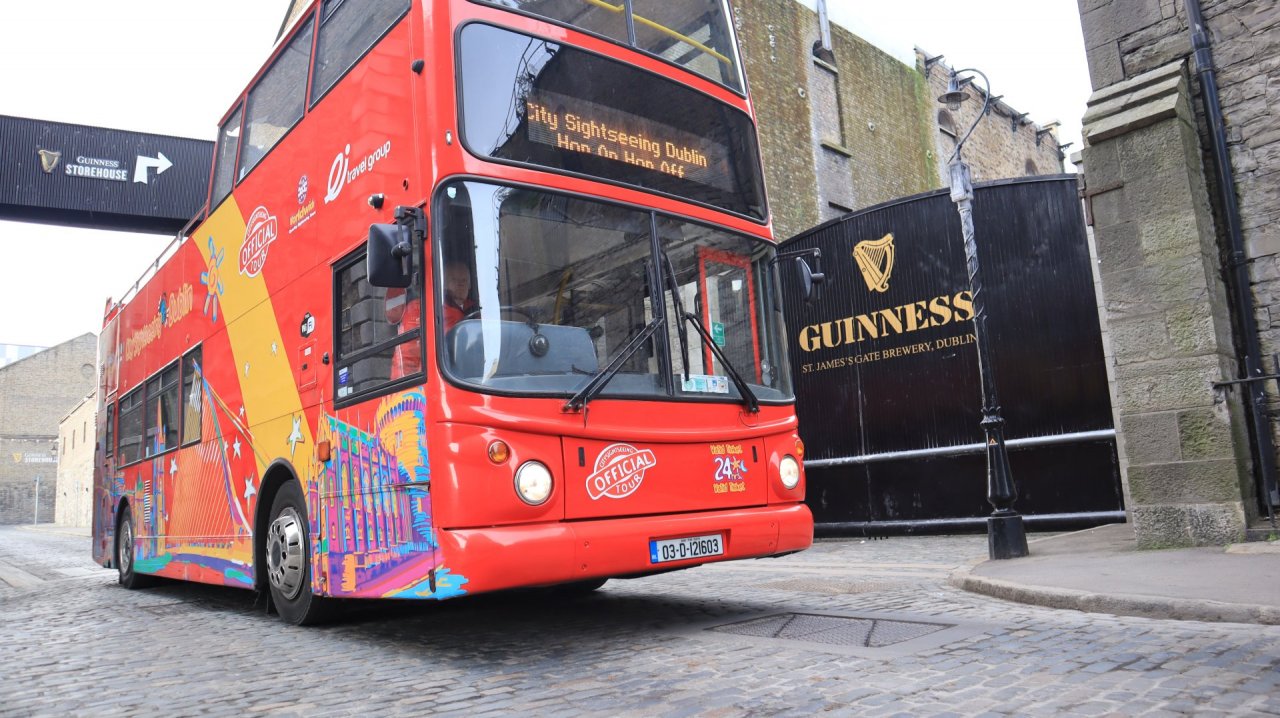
{"x": 694, "y": 34}
{"x": 540, "y": 292}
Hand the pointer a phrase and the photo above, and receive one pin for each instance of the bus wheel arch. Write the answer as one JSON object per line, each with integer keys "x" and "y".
{"x": 277, "y": 475}
{"x": 282, "y": 550}
{"x": 122, "y": 553}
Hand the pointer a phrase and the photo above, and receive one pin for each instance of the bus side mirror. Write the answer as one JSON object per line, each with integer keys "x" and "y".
{"x": 390, "y": 248}
{"x": 809, "y": 280}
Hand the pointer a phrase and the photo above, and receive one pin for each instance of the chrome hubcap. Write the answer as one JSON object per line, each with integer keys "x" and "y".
{"x": 286, "y": 557}
{"x": 125, "y": 559}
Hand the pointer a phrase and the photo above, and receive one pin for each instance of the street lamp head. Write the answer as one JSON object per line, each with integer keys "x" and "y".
{"x": 954, "y": 96}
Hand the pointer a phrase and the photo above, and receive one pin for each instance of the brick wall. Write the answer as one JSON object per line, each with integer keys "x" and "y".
{"x": 35, "y": 394}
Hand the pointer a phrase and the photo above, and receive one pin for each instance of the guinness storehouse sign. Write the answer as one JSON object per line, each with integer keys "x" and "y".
{"x": 81, "y": 176}
{"x": 886, "y": 371}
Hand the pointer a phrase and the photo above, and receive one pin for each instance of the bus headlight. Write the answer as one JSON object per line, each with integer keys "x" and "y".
{"x": 533, "y": 482}
{"x": 789, "y": 471}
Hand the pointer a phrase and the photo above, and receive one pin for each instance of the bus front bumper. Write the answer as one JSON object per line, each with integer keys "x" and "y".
{"x": 549, "y": 553}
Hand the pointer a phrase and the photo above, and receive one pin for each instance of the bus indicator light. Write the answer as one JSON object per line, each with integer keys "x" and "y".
{"x": 499, "y": 452}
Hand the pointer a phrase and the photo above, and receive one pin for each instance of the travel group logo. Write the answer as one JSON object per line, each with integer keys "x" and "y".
{"x": 341, "y": 172}
{"x": 619, "y": 471}
{"x": 875, "y": 261}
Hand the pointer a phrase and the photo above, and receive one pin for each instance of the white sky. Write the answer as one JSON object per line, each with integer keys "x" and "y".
{"x": 173, "y": 67}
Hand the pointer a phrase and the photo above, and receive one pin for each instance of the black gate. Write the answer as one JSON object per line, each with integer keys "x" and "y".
{"x": 887, "y": 376}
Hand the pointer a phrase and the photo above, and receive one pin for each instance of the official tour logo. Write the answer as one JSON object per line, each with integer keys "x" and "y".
{"x": 259, "y": 233}
{"x": 875, "y": 260}
{"x": 619, "y": 471}
{"x": 49, "y": 160}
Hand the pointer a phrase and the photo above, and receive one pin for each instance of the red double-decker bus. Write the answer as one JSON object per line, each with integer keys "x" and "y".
{"x": 484, "y": 297}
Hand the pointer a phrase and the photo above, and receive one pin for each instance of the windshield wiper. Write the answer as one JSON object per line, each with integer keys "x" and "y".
{"x": 748, "y": 397}
{"x": 597, "y": 383}
{"x": 674, "y": 286}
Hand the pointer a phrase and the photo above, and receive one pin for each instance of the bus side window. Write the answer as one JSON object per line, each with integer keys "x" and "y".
{"x": 228, "y": 141}
{"x": 276, "y": 102}
{"x": 347, "y": 30}
{"x": 161, "y": 414}
{"x": 109, "y": 444}
{"x": 130, "y": 427}
{"x": 379, "y": 330}
{"x": 192, "y": 396}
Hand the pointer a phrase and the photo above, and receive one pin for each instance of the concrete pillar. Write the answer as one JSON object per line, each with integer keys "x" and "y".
{"x": 1166, "y": 309}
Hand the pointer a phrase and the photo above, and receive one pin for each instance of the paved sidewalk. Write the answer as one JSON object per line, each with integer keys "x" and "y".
{"x": 1100, "y": 570}
{"x": 57, "y": 529}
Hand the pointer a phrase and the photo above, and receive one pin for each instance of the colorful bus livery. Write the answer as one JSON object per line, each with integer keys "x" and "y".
{"x": 415, "y": 349}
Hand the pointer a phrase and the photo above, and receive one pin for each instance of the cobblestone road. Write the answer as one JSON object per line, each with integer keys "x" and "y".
{"x": 74, "y": 643}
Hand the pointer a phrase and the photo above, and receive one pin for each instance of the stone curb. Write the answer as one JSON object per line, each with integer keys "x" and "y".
{"x": 77, "y": 531}
{"x": 1118, "y": 604}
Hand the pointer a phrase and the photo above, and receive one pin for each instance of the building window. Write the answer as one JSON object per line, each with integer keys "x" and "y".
{"x": 946, "y": 125}
{"x": 1031, "y": 168}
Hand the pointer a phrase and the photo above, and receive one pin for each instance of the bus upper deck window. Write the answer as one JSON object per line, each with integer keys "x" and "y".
{"x": 347, "y": 30}
{"x": 228, "y": 141}
{"x": 276, "y": 102}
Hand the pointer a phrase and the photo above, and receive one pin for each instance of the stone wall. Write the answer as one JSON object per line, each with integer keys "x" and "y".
{"x": 1159, "y": 227}
{"x": 856, "y": 127}
{"x": 76, "y": 443}
{"x": 35, "y": 394}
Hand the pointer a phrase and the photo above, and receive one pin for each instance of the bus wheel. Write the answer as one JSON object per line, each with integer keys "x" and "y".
{"x": 128, "y": 578}
{"x": 288, "y": 559}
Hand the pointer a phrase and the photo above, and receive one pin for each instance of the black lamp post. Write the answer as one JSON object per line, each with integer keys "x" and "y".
{"x": 1006, "y": 536}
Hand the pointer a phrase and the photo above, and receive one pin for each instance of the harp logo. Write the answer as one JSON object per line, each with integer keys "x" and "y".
{"x": 875, "y": 261}
{"x": 49, "y": 160}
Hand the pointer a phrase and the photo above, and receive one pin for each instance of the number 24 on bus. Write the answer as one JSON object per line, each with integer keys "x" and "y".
{"x": 430, "y": 338}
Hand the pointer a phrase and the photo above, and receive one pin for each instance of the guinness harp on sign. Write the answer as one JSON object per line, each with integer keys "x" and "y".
{"x": 875, "y": 260}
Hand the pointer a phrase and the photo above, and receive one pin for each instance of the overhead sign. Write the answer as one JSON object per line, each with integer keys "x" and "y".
{"x": 81, "y": 176}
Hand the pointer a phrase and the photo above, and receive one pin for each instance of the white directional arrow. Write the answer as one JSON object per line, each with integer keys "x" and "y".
{"x": 159, "y": 164}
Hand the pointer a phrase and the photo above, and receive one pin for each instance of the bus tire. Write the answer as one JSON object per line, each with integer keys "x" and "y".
{"x": 127, "y": 576}
{"x": 289, "y": 559}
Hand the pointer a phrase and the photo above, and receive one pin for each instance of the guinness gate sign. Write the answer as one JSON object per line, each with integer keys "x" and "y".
{"x": 887, "y": 383}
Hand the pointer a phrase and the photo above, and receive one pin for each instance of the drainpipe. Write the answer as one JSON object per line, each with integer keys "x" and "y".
{"x": 1237, "y": 269}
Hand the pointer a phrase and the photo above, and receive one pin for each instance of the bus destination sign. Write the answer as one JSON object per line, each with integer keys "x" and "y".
{"x": 576, "y": 125}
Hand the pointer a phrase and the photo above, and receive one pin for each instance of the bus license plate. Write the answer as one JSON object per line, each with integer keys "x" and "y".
{"x": 682, "y": 549}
